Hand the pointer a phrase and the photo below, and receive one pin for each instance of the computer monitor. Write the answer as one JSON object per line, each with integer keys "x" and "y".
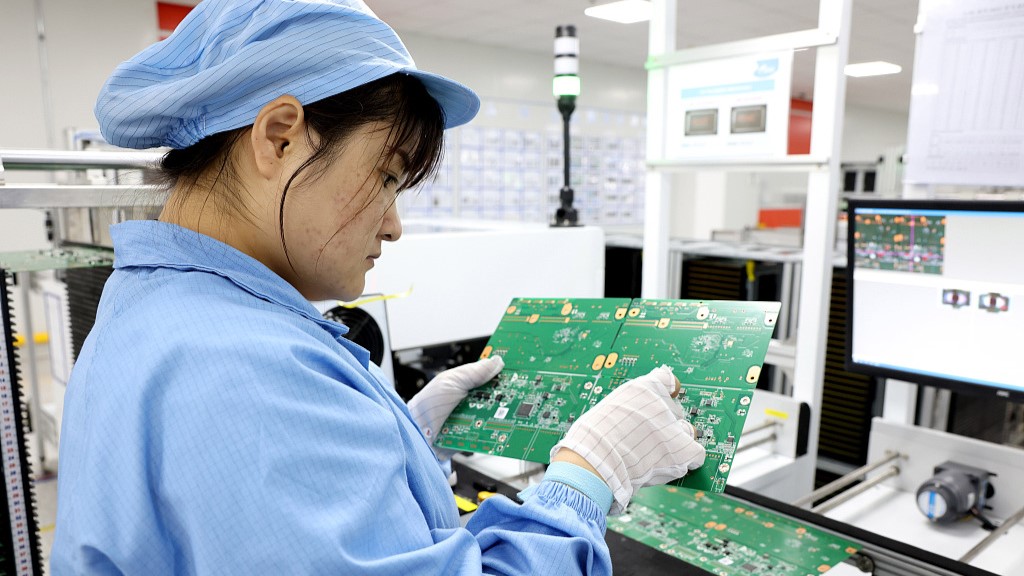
{"x": 937, "y": 293}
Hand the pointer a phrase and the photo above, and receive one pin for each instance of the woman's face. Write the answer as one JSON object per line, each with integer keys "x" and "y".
{"x": 335, "y": 224}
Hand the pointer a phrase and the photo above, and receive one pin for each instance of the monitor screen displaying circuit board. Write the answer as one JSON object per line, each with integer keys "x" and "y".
{"x": 562, "y": 356}
{"x": 937, "y": 292}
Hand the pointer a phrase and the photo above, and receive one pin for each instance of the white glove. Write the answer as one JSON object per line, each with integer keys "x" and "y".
{"x": 636, "y": 436}
{"x": 432, "y": 405}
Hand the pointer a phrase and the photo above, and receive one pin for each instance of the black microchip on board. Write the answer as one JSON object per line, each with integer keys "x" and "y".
{"x": 525, "y": 410}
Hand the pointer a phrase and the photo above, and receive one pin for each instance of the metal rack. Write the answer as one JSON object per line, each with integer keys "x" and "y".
{"x": 46, "y": 196}
{"x": 56, "y": 198}
{"x": 18, "y": 532}
{"x": 831, "y": 40}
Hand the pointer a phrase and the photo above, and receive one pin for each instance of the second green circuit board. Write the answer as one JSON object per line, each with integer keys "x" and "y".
{"x": 563, "y": 356}
{"x": 728, "y": 537}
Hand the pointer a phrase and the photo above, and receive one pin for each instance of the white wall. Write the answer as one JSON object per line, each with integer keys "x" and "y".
{"x": 498, "y": 73}
{"x": 84, "y": 42}
{"x": 868, "y": 133}
{"x": 21, "y": 100}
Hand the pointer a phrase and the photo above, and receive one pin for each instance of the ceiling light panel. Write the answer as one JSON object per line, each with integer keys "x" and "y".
{"x": 623, "y": 11}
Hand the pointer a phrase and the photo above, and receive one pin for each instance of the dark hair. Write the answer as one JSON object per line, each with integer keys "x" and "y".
{"x": 417, "y": 127}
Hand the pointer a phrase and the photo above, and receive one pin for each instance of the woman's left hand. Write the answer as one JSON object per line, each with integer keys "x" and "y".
{"x": 432, "y": 405}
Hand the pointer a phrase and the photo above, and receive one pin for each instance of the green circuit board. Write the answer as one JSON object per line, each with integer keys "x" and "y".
{"x": 726, "y": 536}
{"x": 56, "y": 259}
{"x": 563, "y": 356}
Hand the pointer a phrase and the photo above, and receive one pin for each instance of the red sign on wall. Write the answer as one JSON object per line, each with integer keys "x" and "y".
{"x": 169, "y": 15}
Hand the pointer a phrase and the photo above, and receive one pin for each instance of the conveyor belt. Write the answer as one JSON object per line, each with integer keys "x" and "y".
{"x": 883, "y": 556}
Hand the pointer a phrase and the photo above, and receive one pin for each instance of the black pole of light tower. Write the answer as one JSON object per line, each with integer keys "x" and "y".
{"x": 566, "y": 215}
{"x": 566, "y": 87}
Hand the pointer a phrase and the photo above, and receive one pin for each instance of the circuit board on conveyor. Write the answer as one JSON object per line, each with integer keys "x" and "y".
{"x": 563, "y": 356}
{"x": 726, "y": 536}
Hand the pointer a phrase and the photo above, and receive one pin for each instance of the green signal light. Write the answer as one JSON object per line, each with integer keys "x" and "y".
{"x": 566, "y": 85}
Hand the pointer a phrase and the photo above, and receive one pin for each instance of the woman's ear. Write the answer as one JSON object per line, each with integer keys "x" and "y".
{"x": 279, "y": 125}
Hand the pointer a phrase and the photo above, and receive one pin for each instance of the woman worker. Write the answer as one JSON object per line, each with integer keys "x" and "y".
{"x": 215, "y": 423}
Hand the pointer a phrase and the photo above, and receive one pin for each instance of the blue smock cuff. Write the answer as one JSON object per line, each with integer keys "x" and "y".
{"x": 583, "y": 481}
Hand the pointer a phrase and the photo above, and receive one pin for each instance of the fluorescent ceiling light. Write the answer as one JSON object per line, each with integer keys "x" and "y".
{"x": 624, "y": 11}
{"x": 872, "y": 69}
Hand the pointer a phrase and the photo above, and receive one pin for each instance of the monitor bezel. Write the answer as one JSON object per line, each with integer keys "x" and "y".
{"x": 960, "y": 386}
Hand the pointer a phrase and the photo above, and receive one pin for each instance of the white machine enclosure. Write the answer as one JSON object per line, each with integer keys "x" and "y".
{"x": 451, "y": 281}
{"x": 770, "y": 468}
{"x": 926, "y": 448}
{"x": 890, "y": 508}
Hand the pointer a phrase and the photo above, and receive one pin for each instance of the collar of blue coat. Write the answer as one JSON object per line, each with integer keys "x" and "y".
{"x": 153, "y": 244}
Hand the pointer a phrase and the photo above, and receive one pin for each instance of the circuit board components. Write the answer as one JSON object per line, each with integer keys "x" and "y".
{"x": 563, "y": 356}
{"x": 56, "y": 258}
{"x": 726, "y": 536}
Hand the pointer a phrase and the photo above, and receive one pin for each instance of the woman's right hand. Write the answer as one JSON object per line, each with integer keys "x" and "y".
{"x": 636, "y": 436}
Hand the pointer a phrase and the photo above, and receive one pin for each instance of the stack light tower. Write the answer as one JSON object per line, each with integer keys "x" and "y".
{"x": 566, "y": 87}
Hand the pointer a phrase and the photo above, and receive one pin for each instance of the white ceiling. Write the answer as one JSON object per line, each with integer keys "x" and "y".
{"x": 881, "y": 30}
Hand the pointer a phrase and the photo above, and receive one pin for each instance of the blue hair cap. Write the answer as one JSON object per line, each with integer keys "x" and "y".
{"x": 229, "y": 58}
